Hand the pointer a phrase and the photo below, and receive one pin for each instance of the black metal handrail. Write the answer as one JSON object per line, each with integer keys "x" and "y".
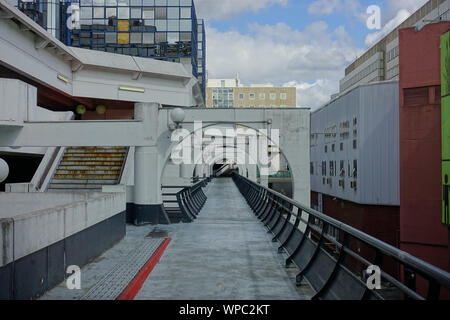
{"x": 190, "y": 199}
{"x": 303, "y": 234}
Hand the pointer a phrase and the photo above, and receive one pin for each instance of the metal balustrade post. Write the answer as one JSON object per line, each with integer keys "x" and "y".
{"x": 285, "y": 223}
{"x": 339, "y": 261}
{"x": 299, "y": 277}
{"x": 295, "y": 227}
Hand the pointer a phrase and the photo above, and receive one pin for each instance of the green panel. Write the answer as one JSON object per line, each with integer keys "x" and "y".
{"x": 445, "y": 64}
{"x": 445, "y": 86}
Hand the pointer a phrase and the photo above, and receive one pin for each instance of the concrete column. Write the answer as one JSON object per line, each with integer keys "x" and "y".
{"x": 252, "y": 173}
{"x": 264, "y": 181}
{"x": 148, "y": 205}
{"x": 187, "y": 171}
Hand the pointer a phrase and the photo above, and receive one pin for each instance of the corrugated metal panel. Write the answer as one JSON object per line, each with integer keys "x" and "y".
{"x": 371, "y": 112}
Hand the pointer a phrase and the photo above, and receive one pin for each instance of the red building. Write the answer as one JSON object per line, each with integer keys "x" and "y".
{"x": 422, "y": 233}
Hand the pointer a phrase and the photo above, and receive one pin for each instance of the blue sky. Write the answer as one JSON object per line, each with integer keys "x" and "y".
{"x": 295, "y": 14}
{"x": 301, "y": 43}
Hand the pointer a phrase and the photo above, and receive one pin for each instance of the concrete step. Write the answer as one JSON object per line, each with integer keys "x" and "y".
{"x": 95, "y": 155}
{"x": 89, "y": 167}
{"x": 91, "y": 163}
{"x": 88, "y": 171}
{"x": 97, "y": 148}
{"x": 86, "y": 159}
{"x": 87, "y": 176}
{"x": 74, "y": 186}
{"x": 84, "y": 181}
{"x": 73, "y": 190}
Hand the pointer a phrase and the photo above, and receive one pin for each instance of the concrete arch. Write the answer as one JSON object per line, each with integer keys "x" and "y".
{"x": 172, "y": 145}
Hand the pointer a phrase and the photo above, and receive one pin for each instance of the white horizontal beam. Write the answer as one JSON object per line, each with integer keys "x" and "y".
{"x": 77, "y": 134}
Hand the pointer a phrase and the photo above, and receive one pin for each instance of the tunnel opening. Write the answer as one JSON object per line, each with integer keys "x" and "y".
{"x": 21, "y": 168}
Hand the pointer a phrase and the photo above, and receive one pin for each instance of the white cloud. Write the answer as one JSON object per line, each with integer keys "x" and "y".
{"x": 393, "y": 15}
{"x": 328, "y": 7}
{"x": 394, "y": 6}
{"x": 315, "y": 94}
{"x": 313, "y": 59}
{"x": 223, "y": 9}
{"x": 373, "y": 38}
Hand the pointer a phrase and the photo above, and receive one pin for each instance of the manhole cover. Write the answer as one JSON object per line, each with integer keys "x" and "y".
{"x": 158, "y": 233}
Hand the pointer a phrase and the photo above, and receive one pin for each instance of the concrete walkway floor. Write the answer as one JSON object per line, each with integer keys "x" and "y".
{"x": 225, "y": 254}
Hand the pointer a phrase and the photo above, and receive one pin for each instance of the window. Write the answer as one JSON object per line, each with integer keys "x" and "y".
{"x": 273, "y": 96}
{"x": 355, "y": 144}
{"x": 326, "y": 149}
{"x": 311, "y": 170}
{"x": 342, "y": 170}
{"x": 283, "y": 96}
{"x": 341, "y": 147}
{"x": 251, "y": 96}
{"x": 222, "y": 83}
{"x": 241, "y": 96}
{"x": 173, "y": 13}
{"x": 185, "y": 13}
{"x": 331, "y": 168}
{"x": 124, "y": 13}
{"x": 161, "y": 13}
{"x": 355, "y": 168}
{"x": 332, "y": 148}
{"x": 148, "y": 38}
{"x": 99, "y": 13}
{"x": 324, "y": 168}
{"x": 262, "y": 96}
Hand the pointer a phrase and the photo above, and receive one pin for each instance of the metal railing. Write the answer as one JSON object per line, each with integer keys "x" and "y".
{"x": 190, "y": 200}
{"x": 328, "y": 252}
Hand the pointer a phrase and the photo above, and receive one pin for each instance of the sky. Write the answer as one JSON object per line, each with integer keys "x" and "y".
{"x": 302, "y": 43}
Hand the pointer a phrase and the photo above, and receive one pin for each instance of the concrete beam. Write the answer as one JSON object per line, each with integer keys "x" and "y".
{"x": 41, "y": 43}
{"x": 76, "y": 133}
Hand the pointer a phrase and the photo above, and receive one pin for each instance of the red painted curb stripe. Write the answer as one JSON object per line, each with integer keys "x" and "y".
{"x": 135, "y": 285}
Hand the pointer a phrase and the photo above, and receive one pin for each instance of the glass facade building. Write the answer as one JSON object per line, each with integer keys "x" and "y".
{"x": 161, "y": 29}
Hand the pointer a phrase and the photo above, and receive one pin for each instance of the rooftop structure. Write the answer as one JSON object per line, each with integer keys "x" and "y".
{"x": 381, "y": 62}
{"x": 162, "y": 29}
{"x": 231, "y": 93}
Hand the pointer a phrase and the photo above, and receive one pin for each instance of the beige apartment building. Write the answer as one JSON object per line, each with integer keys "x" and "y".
{"x": 380, "y": 62}
{"x": 230, "y": 93}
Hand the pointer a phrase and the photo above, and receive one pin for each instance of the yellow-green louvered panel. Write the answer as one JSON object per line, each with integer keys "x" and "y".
{"x": 445, "y": 103}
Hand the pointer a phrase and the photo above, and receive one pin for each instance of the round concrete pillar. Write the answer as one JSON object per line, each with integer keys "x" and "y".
{"x": 4, "y": 170}
{"x": 148, "y": 207}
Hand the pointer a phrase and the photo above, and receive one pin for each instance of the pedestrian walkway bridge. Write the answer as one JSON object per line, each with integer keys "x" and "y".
{"x": 228, "y": 252}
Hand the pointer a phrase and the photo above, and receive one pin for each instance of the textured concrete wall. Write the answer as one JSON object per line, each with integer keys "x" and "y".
{"x": 54, "y": 218}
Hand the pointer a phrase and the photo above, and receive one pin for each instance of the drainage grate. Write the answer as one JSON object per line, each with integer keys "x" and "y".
{"x": 115, "y": 282}
{"x": 158, "y": 233}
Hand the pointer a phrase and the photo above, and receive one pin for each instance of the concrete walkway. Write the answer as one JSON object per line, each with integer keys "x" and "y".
{"x": 225, "y": 254}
